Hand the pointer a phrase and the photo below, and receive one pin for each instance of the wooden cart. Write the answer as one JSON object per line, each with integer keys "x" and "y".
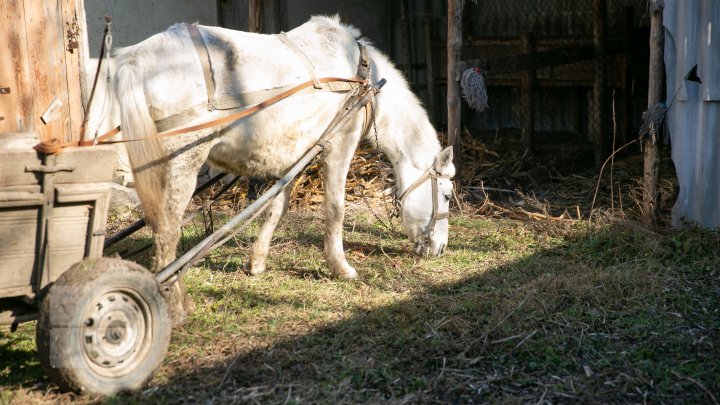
{"x": 103, "y": 324}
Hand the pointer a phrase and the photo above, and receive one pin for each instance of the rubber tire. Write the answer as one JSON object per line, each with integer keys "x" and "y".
{"x": 63, "y": 326}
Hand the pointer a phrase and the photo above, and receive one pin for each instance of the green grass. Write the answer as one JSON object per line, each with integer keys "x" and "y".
{"x": 516, "y": 312}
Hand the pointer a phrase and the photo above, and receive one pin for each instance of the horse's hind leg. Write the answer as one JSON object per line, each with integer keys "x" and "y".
{"x": 167, "y": 234}
{"x": 179, "y": 186}
{"x": 259, "y": 249}
{"x": 335, "y": 170}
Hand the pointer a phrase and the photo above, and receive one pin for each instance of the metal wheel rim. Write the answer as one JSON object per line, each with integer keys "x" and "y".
{"x": 116, "y": 331}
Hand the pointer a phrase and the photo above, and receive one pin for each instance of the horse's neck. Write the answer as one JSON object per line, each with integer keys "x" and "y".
{"x": 406, "y": 135}
{"x": 409, "y": 141}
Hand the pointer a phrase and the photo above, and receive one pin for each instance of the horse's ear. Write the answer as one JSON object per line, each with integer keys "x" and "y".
{"x": 444, "y": 162}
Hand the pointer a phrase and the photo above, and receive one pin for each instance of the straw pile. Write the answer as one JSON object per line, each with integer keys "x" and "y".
{"x": 497, "y": 181}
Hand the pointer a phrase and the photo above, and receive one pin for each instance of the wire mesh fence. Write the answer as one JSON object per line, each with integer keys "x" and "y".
{"x": 547, "y": 101}
{"x": 557, "y": 105}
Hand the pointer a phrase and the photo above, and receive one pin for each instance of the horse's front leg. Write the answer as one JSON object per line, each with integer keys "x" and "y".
{"x": 335, "y": 169}
{"x": 259, "y": 249}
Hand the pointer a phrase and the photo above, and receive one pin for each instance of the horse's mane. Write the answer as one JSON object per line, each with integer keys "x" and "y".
{"x": 334, "y": 21}
{"x": 420, "y": 135}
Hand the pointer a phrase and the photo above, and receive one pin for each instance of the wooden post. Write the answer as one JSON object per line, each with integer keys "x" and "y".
{"x": 598, "y": 116}
{"x": 527, "y": 99}
{"x": 282, "y": 11}
{"x": 454, "y": 47}
{"x": 429, "y": 71}
{"x": 627, "y": 64}
{"x": 255, "y": 15}
{"x": 651, "y": 144}
{"x": 406, "y": 39}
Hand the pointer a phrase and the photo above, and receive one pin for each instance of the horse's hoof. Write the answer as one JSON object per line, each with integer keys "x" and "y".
{"x": 346, "y": 273}
{"x": 254, "y": 269}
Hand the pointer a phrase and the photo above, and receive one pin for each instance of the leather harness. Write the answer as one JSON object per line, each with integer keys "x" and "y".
{"x": 253, "y": 101}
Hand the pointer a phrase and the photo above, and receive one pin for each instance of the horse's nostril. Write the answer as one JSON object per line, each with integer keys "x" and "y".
{"x": 441, "y": 251}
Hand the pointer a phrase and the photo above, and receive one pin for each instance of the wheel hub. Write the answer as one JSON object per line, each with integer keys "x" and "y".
{"x": 115, "y": 331}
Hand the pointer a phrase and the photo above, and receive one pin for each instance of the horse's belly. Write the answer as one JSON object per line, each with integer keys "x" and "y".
{"x": 262, "y": 158}
{"x": 269, "y": 143}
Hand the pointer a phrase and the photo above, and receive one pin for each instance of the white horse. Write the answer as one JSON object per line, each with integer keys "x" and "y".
{"x": 164, "y": 75}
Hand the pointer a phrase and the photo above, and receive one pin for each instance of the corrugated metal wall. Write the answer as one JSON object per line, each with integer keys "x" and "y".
{"x": 692, "y": 38}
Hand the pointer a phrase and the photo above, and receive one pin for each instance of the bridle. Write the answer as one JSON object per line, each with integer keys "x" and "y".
{"x": 432, "y": 175}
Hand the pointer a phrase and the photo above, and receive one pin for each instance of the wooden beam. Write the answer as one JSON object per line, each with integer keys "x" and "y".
{"x": 651, "y": 144}
{"x": 598, "y": 116}
{"x": 527, "y": 100}
{"x": 255, "y": 16}
{"x": 454, "y": 46}
{"x": 74, "y": 67}
{"x": 536, "y": 60}
{"x": 16, "y": 97}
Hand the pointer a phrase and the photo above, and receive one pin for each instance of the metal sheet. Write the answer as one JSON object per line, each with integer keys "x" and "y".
{"x": 694, "y": 114}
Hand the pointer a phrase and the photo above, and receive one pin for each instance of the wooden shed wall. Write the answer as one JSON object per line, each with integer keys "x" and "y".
{"x": 39, "y": 64}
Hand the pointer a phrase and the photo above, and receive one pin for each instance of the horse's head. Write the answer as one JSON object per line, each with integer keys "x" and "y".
{"x": 424, "y": 207}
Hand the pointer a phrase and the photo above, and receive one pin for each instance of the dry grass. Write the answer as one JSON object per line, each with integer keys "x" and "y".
{"x": 523, "y": 308}
{"x": 517, "y": 312}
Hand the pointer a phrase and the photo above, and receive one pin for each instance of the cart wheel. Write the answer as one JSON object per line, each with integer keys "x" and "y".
{"x": 103, "y": 327}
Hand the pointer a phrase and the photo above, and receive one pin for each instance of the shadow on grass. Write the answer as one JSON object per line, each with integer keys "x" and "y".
{"x": 19, "y": 364}
{"x": 608, "y": 316}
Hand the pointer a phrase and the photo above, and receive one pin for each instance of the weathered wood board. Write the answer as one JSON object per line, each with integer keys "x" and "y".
{"x": 76, "y": 219}
{"x": 39, "y": 68}
{"x": 90, "y": 164}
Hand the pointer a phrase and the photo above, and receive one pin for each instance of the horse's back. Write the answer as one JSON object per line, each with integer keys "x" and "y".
{"x": 268, "y": 142}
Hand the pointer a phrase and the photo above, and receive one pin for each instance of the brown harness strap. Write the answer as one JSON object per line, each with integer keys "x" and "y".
{"x": 204, "y": 56}
{"x": 363, "y": 70}
{"x": 302, "y": 56}
{"x": 251, "y": 110}
{"x": 54, "y": 146}
{"x": 333, "y": 84}
{"x": 230, "y": 101}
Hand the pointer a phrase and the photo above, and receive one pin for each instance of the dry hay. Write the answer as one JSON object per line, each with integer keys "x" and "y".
{"x": 369, "y": 177}
{"x": 497, "y": 182}
{"x": 550, "y": 185}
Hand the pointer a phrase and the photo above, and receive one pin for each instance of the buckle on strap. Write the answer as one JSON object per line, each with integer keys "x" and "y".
{"x": 363, "y": 70}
